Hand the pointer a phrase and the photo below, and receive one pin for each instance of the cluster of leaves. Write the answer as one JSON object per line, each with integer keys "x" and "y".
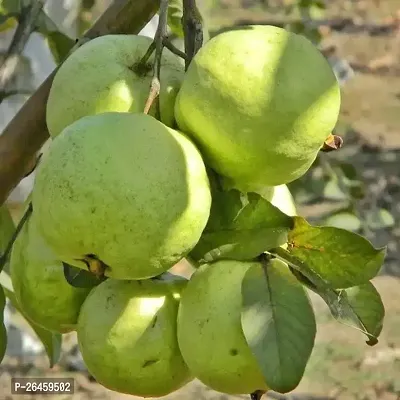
{"x": 335, "y": 263}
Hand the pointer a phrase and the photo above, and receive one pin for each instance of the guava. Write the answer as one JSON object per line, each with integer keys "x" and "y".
{"x": 3, "y": 331}
{"x": 259, "y": 101}
{"x": 122, "y": 189}
{"x": 103, "y": 75}
{"x": 280, "y": 197}
{"x": 39, "y": 284}
{"x": 210, "y": 334}
{"x": 127, "y": 337}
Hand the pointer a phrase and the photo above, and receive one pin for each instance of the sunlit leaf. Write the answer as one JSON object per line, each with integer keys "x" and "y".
{"x": 240, "y": 227}
{"x": 278, "y": 322}
{"x": 342, "y": 258}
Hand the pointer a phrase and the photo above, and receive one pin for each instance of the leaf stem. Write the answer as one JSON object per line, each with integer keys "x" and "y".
{"x": 21, "y": 223}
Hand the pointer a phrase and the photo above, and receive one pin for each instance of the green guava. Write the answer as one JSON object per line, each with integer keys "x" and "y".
{"x": 102, "y": 75}
{"x": 127, "y": 337}
{"x": 124, "y": 189}
{"x": 39, "y": 284}
{"x": 281, "y": 198}
{"x": 259, "y": 101}
{"x": 3, "y": 331}
{"x": 210, "y": 333}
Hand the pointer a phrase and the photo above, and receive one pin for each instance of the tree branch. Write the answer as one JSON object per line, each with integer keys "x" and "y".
{"x": 193, "y": 30}
{"x": 26, "y": 25}
{"x": 26, "y": 133}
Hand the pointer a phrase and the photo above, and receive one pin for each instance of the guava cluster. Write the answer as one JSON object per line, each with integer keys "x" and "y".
{"x": 126, "y": 195}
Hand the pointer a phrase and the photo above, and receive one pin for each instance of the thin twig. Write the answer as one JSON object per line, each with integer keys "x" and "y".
{"x": 174, "y": 49}
{"x": 26, "y": 25}
{"x": 159, "y": 38}
{"x": 193, "y": 30}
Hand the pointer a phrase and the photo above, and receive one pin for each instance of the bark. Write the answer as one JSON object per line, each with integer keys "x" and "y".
{"x": 27, "y": 132}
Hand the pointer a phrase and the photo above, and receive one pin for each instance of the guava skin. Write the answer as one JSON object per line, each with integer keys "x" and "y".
{"x": 259, "y": 101}
{"x": 39, "y": 284}
{"x": 125, "y": 188}
{"x": 100, "y": 76}
{"x": 127, "y": 337}
{"x": 280, "y": 197}
{"x": 209, "y": 313}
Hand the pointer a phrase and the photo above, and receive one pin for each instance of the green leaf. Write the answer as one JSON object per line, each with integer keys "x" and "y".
{"x": 51, "y": 340}
{"x": 278, "y": 322}
{"x": 59, "y": 43}
{"x": 7, "y": 228}
{"x": 367, "y": 304}
{"x": 344, "y": 220}
{"x": 175, "y": 13}
{"x": 380, "y": 219}
{"x": 342, "y": 258}
{"x": 359, "y": 307}
{"x": 79, "y": 278}
{"x": 240, "y": 227}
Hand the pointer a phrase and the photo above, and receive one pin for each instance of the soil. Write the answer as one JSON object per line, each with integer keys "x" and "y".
{"x": 342, "y": 365}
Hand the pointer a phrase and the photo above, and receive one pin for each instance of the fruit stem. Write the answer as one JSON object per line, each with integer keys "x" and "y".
{"x": 192, "y": 29}
{"x": 332, "y": 143}
{"x": 257, "y": 394}
{"x": 158, "y": 44}
{"x": 21, "y": 223}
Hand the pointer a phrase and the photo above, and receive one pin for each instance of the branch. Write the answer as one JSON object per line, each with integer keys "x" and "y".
{"x": 26, "y": 26}
{"x": 27, "y": 132}
{"x": 193, "y": 30}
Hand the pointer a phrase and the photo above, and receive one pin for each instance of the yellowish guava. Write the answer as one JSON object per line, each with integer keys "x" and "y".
{"x": 127, "y": 337}
{"x": 210, "y": 333}
{"x": 125, "y": 189}
{"x": 40, "y": 287}
{"x": 102, "y": 76}
{"x": 259, "y": 101}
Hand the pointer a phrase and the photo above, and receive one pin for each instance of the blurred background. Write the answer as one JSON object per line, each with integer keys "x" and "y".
{"x": 357, "y": 188}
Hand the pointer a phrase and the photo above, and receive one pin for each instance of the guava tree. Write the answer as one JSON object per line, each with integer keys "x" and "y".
{"x": 162, "y": 151}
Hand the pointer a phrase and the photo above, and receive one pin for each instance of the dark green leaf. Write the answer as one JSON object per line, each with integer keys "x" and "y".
{"x": 342, "y": 258}
{"x": 10, "y": 6}
{"x": 369, "y": 308}
{"x": 359, "y": 307}
{"x": 7, "y": 228}
{"x": 59, "y": 43}
{"x": 278, "y": 322}
{"x": 240, "y": 227}
{"x": 79, "y": 278}
{"x": 344, "y": 220}
{"x": 51, "y": 340}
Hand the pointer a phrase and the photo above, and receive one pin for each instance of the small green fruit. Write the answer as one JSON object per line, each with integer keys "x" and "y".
{"x": 39, "y": 284}
{"x": 124, "y": 189}
{"x": 102, "y": 75}
{"x": 127, "y": 337}
{"x": 210, "y": 334}
{"x": 260, "y": 102}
